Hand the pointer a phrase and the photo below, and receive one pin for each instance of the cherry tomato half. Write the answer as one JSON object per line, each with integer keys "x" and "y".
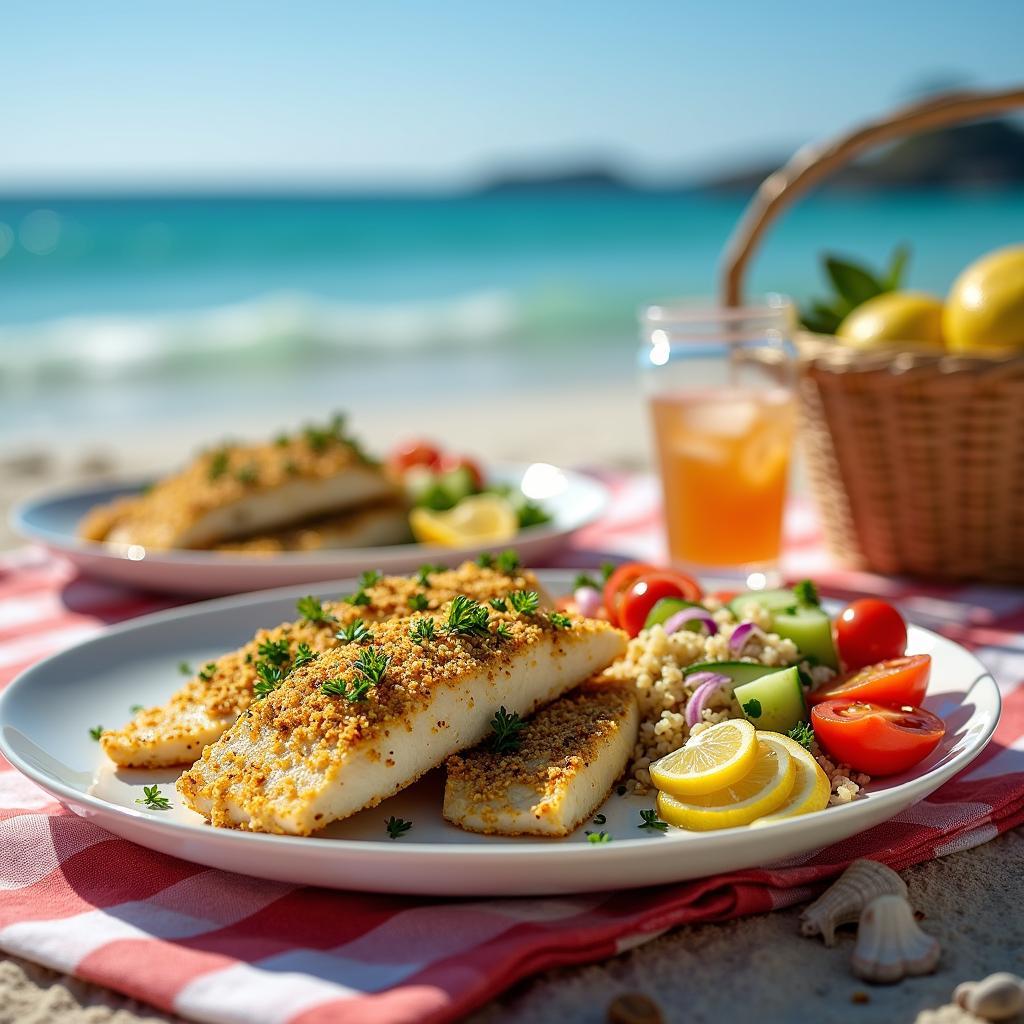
{"x": 899, "y": 681}
{"x": 417, "y": 452}
{"x": 875, "y": 739}
{"x": 452, "y": 462}
{"x": 636, "y": 603}
{"x": 620, "y": 581}
{"x": 869, "y": 631}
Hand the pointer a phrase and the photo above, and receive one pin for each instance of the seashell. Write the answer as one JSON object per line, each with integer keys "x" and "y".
{"x": 997, "y": 997}
{"x": 849, "y": 894}
{"x": 889, "y": 943}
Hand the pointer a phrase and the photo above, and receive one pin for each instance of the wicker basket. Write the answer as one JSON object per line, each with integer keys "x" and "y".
{"x": 916, "y": 460}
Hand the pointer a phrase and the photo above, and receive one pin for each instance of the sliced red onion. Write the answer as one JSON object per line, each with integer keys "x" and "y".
{"x": 588, "y": 601}
{"x": 708, "y": 683}
{"x": 741, "y": 634}
{"x": 702, "y": 615}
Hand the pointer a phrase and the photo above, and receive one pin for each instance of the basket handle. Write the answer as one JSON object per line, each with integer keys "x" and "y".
{"x": 813, "y": 162}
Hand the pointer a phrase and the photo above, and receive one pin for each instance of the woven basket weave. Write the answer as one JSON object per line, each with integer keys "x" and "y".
{"x": 916, "y": 460}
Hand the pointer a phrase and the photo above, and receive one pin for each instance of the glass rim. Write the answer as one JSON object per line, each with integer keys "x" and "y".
{"x": 774, "y": 309}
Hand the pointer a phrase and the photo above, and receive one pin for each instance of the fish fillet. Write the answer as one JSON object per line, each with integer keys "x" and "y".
{"x": 302, "y": 757}
{"x": 570, "y": 753}
{"x": 197, "y": 714}
{"x": 239, "y": 490}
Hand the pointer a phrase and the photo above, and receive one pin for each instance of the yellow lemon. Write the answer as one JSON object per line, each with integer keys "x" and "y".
{"x": 811, "y": 790}
{"x": 478, "y": 519}
{"x": 714, "y": 758}
{"x": 985, "y": 308}
{"x": 893, "y": 318}
{"x": 764, "y": 789}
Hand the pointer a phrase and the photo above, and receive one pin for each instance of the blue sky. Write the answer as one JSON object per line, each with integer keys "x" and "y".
{"x": 305, "y": 93}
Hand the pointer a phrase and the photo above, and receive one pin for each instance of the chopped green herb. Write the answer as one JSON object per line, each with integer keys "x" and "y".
{"x": 282, "y": 440}
{"x": 319, "y": 438}
{"x": 583, "y": 580}
{"x": 752, "y": 708}
{"x": 136, "y": 708}
{"x": 372, "y": 663}
{"x": 503, "y": 632}
{"x": 208, "y": 671}
{"x": 600, "y": 819}
{"x": 96, "y": 732}
{"x": 620, "y": 790}
{"x": 153, "y": 799}
{"x": 424, "y": 572}
{"x": 559, "y": 621}
{"x": 247, "y": 474}
{"x": 525, "y": 602}
{"x": 418, "y": 602}
{"x": 598, "y": 837}
{"x": 335, "y": 687}
{"x": 607, "y": 568}
{"x": 218, "y": 464}
{"x": 368, "y": 579}
{"x": 485, "y": 560}
{"x": 421, "y": 631}
{"x": 360, "y": 599}
{"x": 355, "y": 633}
{"x": 803, "y": 733}
{"x": 807, "y": 593}
{"x": 651, "y": 821}
{"x": 507, "y": 562}
{"x": 184, "y": 668}
{"x": 532, "y": 514}
{"x": 506, "y": 738}
{"x": 397, "y": 827}
{"x": 269, "y": 678}
{"x": 313, "y": 611}
{"x": 466, "y": 617}
{"x": 274, "y": 651}
{"x": 499, "y": 604}
{"x": 304, "y": 654}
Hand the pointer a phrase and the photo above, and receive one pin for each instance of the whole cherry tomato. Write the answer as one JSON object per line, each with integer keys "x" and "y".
{"x": 636, "y": 603}
{"x": 869, "y": 631}
{"x": 899, "y": 681}
{"x": 416, "y": 452}
{"x": 620, "y": 581}
{"x": 875, "y": 739}
{"x": 452, "y": 462}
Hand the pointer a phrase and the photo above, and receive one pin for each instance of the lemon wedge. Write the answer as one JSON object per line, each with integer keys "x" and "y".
{"x": 711, "y": 760}
{"x": 478, "y": 519}
{"x": 764, "y": 789}
{"x": 811, "y": 790}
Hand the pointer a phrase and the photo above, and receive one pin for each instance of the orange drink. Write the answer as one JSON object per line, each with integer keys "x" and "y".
{"x": 724, "y": 417}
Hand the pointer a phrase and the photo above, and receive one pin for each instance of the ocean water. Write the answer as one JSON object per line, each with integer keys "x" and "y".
{"x": 114, "y": 311}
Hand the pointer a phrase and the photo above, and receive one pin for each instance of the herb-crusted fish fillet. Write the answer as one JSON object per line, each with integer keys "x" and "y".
{"x": 362, "y": 722}
{"x": 239, "y": 490}
{"x": 568, "y": 756}
{"x": 176, "y": 732}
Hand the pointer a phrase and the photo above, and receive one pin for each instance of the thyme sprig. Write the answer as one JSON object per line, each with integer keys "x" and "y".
{"x": 397, "y": 827}
{"x": 422, "y": 630}
{"x": 354, "y": 633}
{"x": 651, "y": 821}
{"x": 466, "y": 617}
{"x": 153, "y": 799}
{"x": 525, "y": 602}
{"x": 311, "y": 609}
{"x": 506, "y": 728}
{"x": 418, "y": 602}
{"x": 274, "y": 651}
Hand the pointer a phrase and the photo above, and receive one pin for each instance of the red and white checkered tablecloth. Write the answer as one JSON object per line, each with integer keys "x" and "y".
{"x": 213, "y": 946}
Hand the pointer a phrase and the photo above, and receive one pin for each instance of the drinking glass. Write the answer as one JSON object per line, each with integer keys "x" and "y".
{"x": 720, "y": 386}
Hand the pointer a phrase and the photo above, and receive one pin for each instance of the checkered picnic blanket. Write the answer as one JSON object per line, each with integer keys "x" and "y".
{"x": 214, "y": 946}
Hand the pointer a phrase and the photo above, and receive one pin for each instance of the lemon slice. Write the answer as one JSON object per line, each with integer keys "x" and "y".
{"x": 811, "y": 791}
{"x": 762, "y": 790}
{"x": 478, "y": 519}
{"x": 711, "y": 760}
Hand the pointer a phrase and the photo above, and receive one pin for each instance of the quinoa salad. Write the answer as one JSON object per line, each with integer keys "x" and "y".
{"x": 655, "y": 662}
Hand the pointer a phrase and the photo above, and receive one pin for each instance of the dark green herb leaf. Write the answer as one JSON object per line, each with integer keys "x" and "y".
{"x": 96, "y": 732}
{"x": 397, "y": 827}
{"x": 752, "y": 708}
{"x": 421, "y": 631}
{"x": 525, "y": 602}
{"x": 583, "y": 580}
{"x": 153, "y": 799}
{"x": 136, "y": 708}
{"x": 807, "y": 593}
{"x": 310, "y": 609}
{"x": 218, "y": 464}
{"x": 802, "y": 733}
{"x": 854, "y": 282}
{"x": 532, "y": 514}
{"x": 651, "y": 821}
{"x": 499, "y": 604}
{"x": 424, "y": 572}
{"x": 506, "y": 738}
{"x": 418, "y": 602}
{"x": 559, "y": 621}
{"x": 304, "y": 654}
{"x": 247, "y": 474}
{"x": 507, "y": 562}
{"x": 208, "y": 671}
{"x": 274, "y": 651}
{"x": 607, "y": 568}
{"x": 184, "y": 668}
{"x": 598, "y": 837}
{"x": 466, "y": 617}
{"x": 897, "y": 266}
{"x": 355, "y": 633}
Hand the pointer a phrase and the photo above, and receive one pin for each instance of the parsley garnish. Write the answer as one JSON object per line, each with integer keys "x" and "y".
{"x": 370, "y": 666}
{"x": 153, "y": 799}
{"x": 397, "y": 827}
{"x": 313, "y": 611}
{"x": 368, "y": 579}
{"x": 207, "y": 672}
{"x": 503, "y": 632}
{"x": 184, "y": 668}
{"x": 96, "y": 732}
{"x": 507, "y": 562}
{"x": 335, "y": 687}
{"x": 559, "y": 621}
{"x": 525, "y": 602}
{"x": 651, "y": 821}
{"x": 218, "y": 464}
{"x": 274, "y": 651}
{"x": 807, "y": 593}
{"x": 803, "y": 733}
{"x": 136, "y": 708}
{"x": 485, "y": 560}
{"x": 270, "y": 677}
{"x": 304, "y": 654}
{"x": 583, "y": 580}
{"x": 532, "y": 514}
{"x": 247, "y": 474}
{"x": 499, "y": 604}
{"x": 422, "y": 630}
{"x": 506, "y": 738}
{"x": 598, "y": 837}
{"x": 600, "y": 819}
{"x": 282, "y": 440}
{"x": 318, "y": 438}
{"x": 418, "y": 602}
{"x": 466, "y": 617}
{"x": 752, "y": 708}
{"x": 360, "y": 599}
{"x": 424, "y": 572}
{"x": 607, "y": 568}
{"x": 355, "y": 633}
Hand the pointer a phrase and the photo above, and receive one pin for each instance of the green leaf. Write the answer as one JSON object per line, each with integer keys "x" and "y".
{"x": 855, "y": 283}
{"x": 897, "y": 265}
{"x": 752, "y": 708}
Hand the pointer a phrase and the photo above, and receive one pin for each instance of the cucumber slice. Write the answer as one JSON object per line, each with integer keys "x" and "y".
{"x": 810, "y": 629}
{"x": 738, "y": 671}
{"x": 770, "y": 600}
{"x": 666, "y": 608}
{"x": 774, "y": 702}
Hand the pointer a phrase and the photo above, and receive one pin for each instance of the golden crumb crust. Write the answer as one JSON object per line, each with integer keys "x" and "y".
{"x": 224, "y": 688}
{"x": 223, "y": 477}
{"x": 310, "y": 732}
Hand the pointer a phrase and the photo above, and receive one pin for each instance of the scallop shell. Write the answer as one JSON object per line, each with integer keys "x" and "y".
{"x": 997, "y": 997}
{"x": 889, "y": 943}
{"x": 843, "y": 901}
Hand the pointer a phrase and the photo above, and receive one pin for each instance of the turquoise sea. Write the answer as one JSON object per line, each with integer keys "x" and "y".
{"x": 119, "y": 308}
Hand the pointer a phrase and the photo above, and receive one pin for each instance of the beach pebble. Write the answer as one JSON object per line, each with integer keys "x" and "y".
{"x": 948, "y": 1014}
{"x": 998, "y": 997}
{"x": 634, "y": 1008}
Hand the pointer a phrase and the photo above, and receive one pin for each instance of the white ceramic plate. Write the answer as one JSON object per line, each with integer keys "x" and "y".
{"x": 573, "y": 500}
{"x": 46, "y": 713}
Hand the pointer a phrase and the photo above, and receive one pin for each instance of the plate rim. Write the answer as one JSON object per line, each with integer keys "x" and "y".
{"x": 432, "y": 850}
{"x": 75, "y": 546}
